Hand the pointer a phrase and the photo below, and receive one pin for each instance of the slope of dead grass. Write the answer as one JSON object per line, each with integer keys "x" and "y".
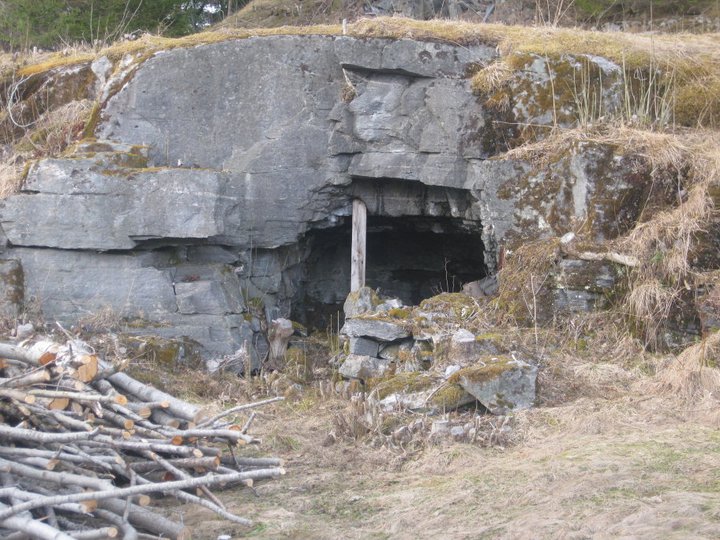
{"x": 688, "y": 53}
{"x": 630, "y": 467}
{"x": 611, "y": 452}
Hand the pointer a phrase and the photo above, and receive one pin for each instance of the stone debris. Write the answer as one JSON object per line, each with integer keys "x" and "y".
{"x": 383, "y": 331}
{"x": 363, "y": 367}
{"x": 454, "y": 368}
{"x": 501, "y": 385}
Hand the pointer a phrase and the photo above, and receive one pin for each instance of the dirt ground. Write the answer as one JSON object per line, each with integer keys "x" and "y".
{"x": 630, "y": 467}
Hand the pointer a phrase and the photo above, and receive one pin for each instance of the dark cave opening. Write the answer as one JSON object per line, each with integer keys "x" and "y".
{"x": 408, "y": 257}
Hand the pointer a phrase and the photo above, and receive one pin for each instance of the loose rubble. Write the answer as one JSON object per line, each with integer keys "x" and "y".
{"x": 422, "y": 359}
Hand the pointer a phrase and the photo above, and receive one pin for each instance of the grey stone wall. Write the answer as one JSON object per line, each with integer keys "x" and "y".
{"x": 215, "y": 164}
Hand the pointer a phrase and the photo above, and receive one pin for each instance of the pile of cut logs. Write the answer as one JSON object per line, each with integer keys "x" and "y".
{"x": 83, "y": 447}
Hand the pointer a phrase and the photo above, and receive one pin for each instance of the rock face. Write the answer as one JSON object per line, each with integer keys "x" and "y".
{"x": 204, "y": 209}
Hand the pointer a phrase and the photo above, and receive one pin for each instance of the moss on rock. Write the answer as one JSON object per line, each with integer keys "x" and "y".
{"x": 450, "y": 396}
{"x": 402, "y": 382}
{"x": 487, "y": 369}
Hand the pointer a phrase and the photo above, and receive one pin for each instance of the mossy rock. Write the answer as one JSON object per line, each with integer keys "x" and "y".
{"x": 168, "y": 354}
{"x": 457, "y": 305}
{"x": 450, "y": 396}
{"x": 400, "y": 383}
{"x": 399, "y": 313}
{"x": 523, "y": 285}
{"x": 501, "y": 383}
{"x": 487, "y": 369}
{"x": 360, "y": 302}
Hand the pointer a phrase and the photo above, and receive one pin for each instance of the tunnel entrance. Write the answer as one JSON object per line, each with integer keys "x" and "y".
{"x": 408, "y": 257}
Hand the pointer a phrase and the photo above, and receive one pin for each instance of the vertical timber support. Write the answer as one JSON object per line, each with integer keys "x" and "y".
{"x": 359, "y": 241}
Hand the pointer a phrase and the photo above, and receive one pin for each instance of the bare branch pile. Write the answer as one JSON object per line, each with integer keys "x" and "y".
{"x": 82, "y": 447}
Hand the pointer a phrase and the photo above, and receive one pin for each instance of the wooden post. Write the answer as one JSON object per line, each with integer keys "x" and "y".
{"x": 359, "y": 240}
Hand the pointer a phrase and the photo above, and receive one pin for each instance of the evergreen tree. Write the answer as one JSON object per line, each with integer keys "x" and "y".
{"x": 52, "y": 23}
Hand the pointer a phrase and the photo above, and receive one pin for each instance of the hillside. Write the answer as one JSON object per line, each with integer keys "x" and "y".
{"x": 541, "y": 230}
{"x": 633, "y": 16}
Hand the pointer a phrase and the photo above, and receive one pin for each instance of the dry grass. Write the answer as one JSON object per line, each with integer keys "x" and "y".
{"x": 664, "y": 242}
{"x": 491, "y": 78}
{"x": 49, "y": 136}
{"x": 691, "y": 55}
{"x": 10, "y": 179}
{"x": 523, "y": 278}
{"x": 694, "y": 377}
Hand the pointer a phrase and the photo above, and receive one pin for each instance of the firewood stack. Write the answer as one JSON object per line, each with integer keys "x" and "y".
{"x": 82, "y": 447}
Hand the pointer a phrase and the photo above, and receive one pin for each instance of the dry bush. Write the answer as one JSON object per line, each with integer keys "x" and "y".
{"x": 49, "y": 136}
{"x": 10, "y": 179}
{"x": 491, "y": 78}
{"x": 55, "y": 130}
{"x": 694, "y": 377}
{"x": 663, "y": 243}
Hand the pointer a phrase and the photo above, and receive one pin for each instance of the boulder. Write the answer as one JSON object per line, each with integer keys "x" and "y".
{"x": 502, "y": 384}
{"x": 91, "y": 204}
{"x": 363, "y": 367}
{"x": 487, "y": 286}
{"x": 374, "y": 328}
{"x": 230, "y": 181}
{"x": 205, "y": 297}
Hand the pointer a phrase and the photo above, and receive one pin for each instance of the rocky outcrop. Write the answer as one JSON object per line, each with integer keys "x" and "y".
{"x": 218, "y": 191}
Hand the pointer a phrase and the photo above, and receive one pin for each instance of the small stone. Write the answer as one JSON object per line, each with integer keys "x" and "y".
{"x": 451, "y": 369}
{"x": 212, "y": 365}
{"x": 255, "y": 324}
{"x": 457, "y": 432}
{"x": 101, "y": 68}
{"x": 374, "y": 328}
{"x": 567, "y": 238}
{"x": 465, "y": 348}
{"x": 440, "y": 427}
{"x": 364, "y": 346}
{"x": 487, "y": 286}
{"x": 24, "y": 331}
{"x": 363, "y": 367}
{"x": 416, "y": 425}
{"x": 390, "y": 303}
{"x": 463, "y": 336}
{"x": 397, "y": 351}
{"x": 329, "y": 440}
{"x": 402, "y": 435}
{"x": 501, "y": 384}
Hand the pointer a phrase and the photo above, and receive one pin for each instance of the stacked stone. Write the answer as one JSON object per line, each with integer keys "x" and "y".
{"x": 371, "y": 340}
{"x": 477, "y": 367}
